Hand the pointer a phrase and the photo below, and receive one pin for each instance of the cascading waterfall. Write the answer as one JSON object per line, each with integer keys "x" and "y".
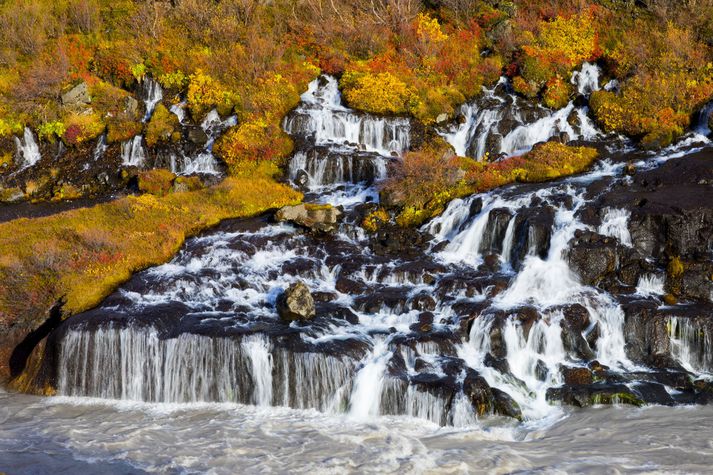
{"x": 345, "y": 146}
{"x": 322, "y": 116}
{"x": 203, "y": 162}
{"x": 100, "y": 148}
{"x": 691, "y": 345}
{"x": 499, "y": 123}
{"x": 487, "y": 313}
{"x": 133, "y": 153}
{"x": 153, "y": 94}
{"x": 615, "y": 224}
{"x": 28, "y": 152}
{"x": 651, "y": 284}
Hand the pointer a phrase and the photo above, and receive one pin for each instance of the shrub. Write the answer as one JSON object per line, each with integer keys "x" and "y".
{"x": 161, "y": 126}
{"x": 205, "y": 93}
{"x": 122, "y": 129}
{"x": 51, "y": 130}
{"x": 80, "y": 128}
{"x": 252, "y": 141}
{"x": 158, "y": 181}
{"x": 381, "y": 93}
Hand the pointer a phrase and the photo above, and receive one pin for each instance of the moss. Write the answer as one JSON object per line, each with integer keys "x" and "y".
{"x": 432, "y": 191}
{"x": 158, "y": 181}
{"x": 374, "y": 219}
{"x": 85, "y": 254}
{"x": 6, "y": 161}
{"x": 187, "y": 183}
{"x": 67, "y": 192}
{"x": 675, "y": 267}
{"x": 161, "y": 126}
{"x": 11, "y": 195}
{"x": 617, "y": 398}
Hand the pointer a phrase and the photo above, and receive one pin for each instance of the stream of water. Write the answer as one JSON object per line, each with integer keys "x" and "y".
{"x": 413, "y": 358}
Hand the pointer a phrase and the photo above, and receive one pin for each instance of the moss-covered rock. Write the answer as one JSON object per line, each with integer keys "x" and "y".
{"x": 158, "y": 181}
{"x": 161, "y": 126}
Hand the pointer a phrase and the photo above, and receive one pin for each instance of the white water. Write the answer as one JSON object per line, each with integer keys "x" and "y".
{"x": 133, "y": 153}
{"x": 615, "y": 224}
{"x": 28, "y": 152}
{"x": 692, "y": 345}
{"x": 651, "y": 285}
{"x": 203, "y": 162}
{"x": 482, "y": 129}
{"x": 153, "y": 94}
{"x": 100, "y": 148}
{"x": 91, "y": 436}
{"x": 322, "y": 116}
{"x": 228, "y": 345}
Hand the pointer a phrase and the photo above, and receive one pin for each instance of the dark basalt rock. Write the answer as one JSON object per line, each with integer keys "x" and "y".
{"x": 598, "y": 393}
{"x": 577, "y": 376}
{"x": 392, "y": 240}
{"x": 533, "y": 229}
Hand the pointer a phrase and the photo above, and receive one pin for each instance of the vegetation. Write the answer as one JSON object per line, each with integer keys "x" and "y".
{"x": 424, "y": 182}
{"x": 85, "y": 254}
{"x": 410, "y": 57}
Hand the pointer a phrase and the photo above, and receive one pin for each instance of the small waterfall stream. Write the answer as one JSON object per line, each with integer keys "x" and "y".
{"x": 28, "y": 152}
{"x": 500, "y": 123}
{"x": 488, "y": 321}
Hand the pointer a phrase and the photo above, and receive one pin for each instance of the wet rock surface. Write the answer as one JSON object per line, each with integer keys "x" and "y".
{"x": 296, "y": 303}
{"x": 320, "y": 218}
{"x": 510, "y": 303}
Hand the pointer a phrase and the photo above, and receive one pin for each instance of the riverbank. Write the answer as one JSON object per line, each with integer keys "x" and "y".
{"x": 80, "y": 256}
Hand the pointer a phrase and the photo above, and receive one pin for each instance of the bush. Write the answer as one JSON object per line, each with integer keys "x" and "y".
{"x": 161, "y": 126}
{"x": 381, "y": 93}
{"x": 253, "y": 141}
{"x": 80, "y": 128}
{"x": 156, "y": 182}
{"x": 120, "y": 130}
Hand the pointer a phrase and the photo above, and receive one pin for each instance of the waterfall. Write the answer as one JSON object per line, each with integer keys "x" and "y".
{"x": 179, "y": 110}
{"x": 203, "y": 162}
{"x": 365, "y": 400}
{"x": 586, "y": 79}
{"x": 615, "y": 224}
{"x": 651, "y": 285}
{"x": 691, "y": 345}
{"x": 136, "y": 364}
{"x": 153, "y": 94}
{"x": 500, "y": 123}
{"x": 132, "y": 152}
{"x": 322, "y": 117}
{"x": 28, "y": 152}
{"x": 100, "y": 148}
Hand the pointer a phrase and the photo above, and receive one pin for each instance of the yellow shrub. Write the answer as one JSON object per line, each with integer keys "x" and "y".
{"x": 161, "y": 126}
{"x": 381, "y": 93}
{"x": 253, "y": 140}
{"x": 205, "y": 93}
{"x": 80, "y": 128}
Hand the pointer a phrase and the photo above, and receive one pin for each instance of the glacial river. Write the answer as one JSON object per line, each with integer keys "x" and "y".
{"x": 93, "y": 436}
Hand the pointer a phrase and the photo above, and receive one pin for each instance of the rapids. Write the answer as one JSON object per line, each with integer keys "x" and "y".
{"x": 418, "y": 348}
{"x": 98, "y": 436}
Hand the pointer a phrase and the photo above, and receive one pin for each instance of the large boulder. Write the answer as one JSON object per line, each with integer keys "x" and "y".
{"x": 296, "y": 303}
{"x": 77, "y": 96}
{"x": 321, "y": 218}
